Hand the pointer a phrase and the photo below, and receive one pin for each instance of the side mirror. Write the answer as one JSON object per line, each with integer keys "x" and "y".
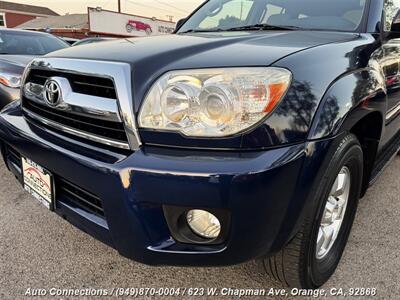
{"x": 395, "y": 27}
{"x": 180, "y": 23}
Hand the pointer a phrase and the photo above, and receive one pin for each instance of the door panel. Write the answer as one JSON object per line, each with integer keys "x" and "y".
{"x": 391, "y": 59}
{"x": 390, "y": 67}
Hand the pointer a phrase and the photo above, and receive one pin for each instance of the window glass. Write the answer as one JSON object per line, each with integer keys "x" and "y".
{"x": 272, "y": 10}
{"x": 343, "y": 15}
{"x": 391, "y": 8}
{"x": 28, "y": 43}
{"x": 232, "y": 13}
{"x": 2, "y": 20}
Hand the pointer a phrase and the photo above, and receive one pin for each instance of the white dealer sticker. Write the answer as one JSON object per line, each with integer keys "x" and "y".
{"x": 38, "y": 182}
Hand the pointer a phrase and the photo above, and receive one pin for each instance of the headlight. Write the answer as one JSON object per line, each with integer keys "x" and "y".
{"x": 213, "y": 102}
{"x": 10, "y": 80}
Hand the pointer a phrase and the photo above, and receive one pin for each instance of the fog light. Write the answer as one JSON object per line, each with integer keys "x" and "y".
{"x": 203, "y": 223}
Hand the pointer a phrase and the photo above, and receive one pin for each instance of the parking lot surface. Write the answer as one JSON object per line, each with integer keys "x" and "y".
{"x": 38, "y": 249}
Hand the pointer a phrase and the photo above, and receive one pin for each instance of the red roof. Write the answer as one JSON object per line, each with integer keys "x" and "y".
{"x": 26, "y": 8}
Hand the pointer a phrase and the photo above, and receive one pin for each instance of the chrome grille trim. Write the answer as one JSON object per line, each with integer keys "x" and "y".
{"x": 80, "y": 104}
{"x": 120, "y": 109}
{"x": 81, "y": 134}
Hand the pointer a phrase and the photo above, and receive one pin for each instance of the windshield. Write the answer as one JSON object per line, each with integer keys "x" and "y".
{"x": 340, "y": 15}
{"x": 21, "y": 43}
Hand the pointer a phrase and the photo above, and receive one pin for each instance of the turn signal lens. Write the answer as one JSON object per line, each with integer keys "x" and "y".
{"x": 203, "y": 223}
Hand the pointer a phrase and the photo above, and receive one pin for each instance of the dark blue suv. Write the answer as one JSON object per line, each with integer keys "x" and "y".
{"x": 250, "y": 133}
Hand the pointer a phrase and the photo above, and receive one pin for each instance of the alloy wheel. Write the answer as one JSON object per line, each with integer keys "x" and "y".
{"x": 334, "y": 212}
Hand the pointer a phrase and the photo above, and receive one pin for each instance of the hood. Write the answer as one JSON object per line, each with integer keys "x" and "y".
{"x": 206, "y": 49}
{"x": 151, "y": 57}
{"x": 18, "y": 60}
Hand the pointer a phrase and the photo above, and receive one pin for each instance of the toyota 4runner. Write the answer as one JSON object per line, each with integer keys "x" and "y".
{"x": 250, "y": 133}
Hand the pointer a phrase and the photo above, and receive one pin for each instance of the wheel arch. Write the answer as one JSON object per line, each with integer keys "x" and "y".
{"x": 368, "y": 131}
{"x": 355, "y": 103}
{"x": 349, "y": 99}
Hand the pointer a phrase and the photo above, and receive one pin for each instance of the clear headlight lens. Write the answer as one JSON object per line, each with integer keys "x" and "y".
{"x": 10, "y": 80}
{"x": 213, "y": 102}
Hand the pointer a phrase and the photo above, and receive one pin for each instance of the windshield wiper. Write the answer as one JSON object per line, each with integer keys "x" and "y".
{"x": 203, "y": 30}
{"x": 262, "y": 27}
{"x": 245, "y": 28}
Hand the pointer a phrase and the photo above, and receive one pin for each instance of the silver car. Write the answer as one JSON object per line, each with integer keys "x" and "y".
{"x": 17, "y": 49}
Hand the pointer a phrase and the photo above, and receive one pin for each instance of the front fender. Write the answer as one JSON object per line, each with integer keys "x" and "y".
{"x": 348, "y": 100}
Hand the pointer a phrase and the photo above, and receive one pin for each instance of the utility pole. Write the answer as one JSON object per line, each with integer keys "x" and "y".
{"x": 119, "y": 6}
{"x": 170, "y": 18}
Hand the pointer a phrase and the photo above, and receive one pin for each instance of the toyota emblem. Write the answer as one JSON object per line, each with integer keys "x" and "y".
{"x": 52, "y": 92}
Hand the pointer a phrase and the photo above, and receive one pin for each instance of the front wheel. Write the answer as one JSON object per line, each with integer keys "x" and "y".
{"x": 310, "y": 259}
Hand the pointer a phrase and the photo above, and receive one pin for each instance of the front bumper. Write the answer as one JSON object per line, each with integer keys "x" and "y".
{"x": 265, "y": 192}
{"x": 8, "y": 95}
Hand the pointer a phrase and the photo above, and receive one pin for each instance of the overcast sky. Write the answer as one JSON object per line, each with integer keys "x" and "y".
{"x": 150, "y": 8}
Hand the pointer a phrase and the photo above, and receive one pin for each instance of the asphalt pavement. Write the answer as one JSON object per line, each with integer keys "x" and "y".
{"x": 40, "y": 250}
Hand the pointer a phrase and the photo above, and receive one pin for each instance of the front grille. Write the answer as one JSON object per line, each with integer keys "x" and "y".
{"x": 13, "y": 156}
{"x": 66, "y": 192}
{"x": 75, "y": 196}
{"x": 83, "y": 84}
{"x": 101, "y": 128}
{"x": 88, "y": 100}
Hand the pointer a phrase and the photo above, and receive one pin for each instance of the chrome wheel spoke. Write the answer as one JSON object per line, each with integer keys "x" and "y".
{"x": 329, "y": 211}
{"x": 325, "y": 237}
{"x": 340, "y": 184}
{"x": 334, "y": 213}
{"x": 320, "y": 240}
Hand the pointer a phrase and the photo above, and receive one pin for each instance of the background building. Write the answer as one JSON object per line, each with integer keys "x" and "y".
{"x": 120, "y": 25}
{"x": 70, "y": 25}
{"x": 13, "y": 14}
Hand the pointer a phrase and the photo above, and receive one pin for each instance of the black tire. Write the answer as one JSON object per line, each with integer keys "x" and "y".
{"x": 297, "y": 265}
